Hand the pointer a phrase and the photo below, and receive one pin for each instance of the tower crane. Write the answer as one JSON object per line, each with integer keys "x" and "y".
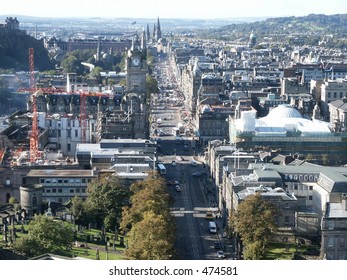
{"x": 34, "y": 138}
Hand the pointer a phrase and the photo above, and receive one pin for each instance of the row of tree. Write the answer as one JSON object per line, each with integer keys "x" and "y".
{"x": 254, "y": 225}
{"x": 147, "y": 222}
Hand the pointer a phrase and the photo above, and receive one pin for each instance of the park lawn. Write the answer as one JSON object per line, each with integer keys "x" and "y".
{"x": 91, "y": 254}
{"x": 279, "y": 251}
{"x": 285, "y": 251}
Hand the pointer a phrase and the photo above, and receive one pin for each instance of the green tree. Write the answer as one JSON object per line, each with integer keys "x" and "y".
{"x": 45, "y": 236}
{"x": 254, "y": 223}
{"x": 151, "y": 239}
{"x": 151, "y": 86}
{"x": 106, "y": 198}
{"x": 79, "y": 210}
{"x": 148, "y": 195}
{"x": 96, "y": 73}
{"x": 309, "y": 157}
{"x": 325, "y": 159}
{"x": 148, "y": 223}
{"x": 12, "y": 200}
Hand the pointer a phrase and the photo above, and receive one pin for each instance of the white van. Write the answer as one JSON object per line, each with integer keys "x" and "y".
{"x": 212, "y": 227}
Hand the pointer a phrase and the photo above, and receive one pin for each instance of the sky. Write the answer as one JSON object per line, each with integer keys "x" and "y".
{"x": 172, "y": 8}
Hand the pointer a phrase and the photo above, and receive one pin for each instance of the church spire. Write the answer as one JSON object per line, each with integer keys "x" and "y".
{"x": 148, "y": 34}
{"x": 158, "y": 34}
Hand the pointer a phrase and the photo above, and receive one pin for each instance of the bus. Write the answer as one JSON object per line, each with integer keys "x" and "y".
{"x": 161, "y": 169}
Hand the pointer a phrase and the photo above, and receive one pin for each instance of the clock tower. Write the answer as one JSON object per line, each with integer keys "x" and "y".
{"x": 136, "y": 67}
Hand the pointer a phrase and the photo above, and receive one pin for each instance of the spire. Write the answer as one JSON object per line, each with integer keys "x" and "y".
{"x": 148, "y": 35}
{"x": 158, "y": 35}
{"x": 143, "y": 41}
{"x": 154, "y": 32}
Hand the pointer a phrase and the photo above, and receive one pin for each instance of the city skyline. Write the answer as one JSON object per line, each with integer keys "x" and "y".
{"x": 179, "y": 9}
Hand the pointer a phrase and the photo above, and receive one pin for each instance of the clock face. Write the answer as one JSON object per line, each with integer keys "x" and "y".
{"x": 136, "y": 61}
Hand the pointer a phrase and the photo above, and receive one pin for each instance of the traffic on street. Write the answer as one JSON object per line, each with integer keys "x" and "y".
{"x": 194, "y": 197}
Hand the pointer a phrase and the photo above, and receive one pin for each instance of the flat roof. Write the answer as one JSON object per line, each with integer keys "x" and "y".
{"x": 60, "y": 173}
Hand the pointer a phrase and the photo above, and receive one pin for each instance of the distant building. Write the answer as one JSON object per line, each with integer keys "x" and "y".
{"x": 10, "y": 24}
{"x": 284, "y": 128}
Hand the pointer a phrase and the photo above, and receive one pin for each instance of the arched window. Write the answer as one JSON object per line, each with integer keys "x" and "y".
{"x": 34, "y": 201}
{"x": 8, "y": 196}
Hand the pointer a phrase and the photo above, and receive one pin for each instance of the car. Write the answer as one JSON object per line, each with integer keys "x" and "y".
{"x": 173, "y": 163}
{"x": 209, "y": 215}
{"x": 218, "y": 245}
{"x": 194, "y": 163}
{"x": 198, "y": 174}
{"x": 220, "y": 255}
{"x": 179, "y": 158}
{"x": 178, "y": 188}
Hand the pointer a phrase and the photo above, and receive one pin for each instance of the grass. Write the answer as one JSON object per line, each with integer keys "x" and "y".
{"x": 91, "y": 248}
{"x": 285, "y": 251}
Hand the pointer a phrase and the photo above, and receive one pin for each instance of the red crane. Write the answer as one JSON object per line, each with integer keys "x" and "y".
{"x": 34, "y": 138}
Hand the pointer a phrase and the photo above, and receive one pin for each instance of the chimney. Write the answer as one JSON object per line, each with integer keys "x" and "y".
{"x": 344, "y": 201}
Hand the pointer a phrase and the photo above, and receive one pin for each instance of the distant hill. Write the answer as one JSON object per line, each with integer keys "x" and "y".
{"x": 14, "y": 51}
{"x": 312, "y": 24}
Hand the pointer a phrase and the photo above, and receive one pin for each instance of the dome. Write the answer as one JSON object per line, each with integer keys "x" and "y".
{"x": 283, "y": 111}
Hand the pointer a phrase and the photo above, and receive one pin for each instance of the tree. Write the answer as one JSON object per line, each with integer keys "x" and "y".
{"x": 45, "y": 236}
{"x": 96, "y": 73}
{"x": 80, "y": 212}
{"x": 148, "y": 223}
{"x": 151, "y": 239}
{"x": 148, "y": 195}
{"x": 325, "y": 159}
{"x": 12, "y": 200}
{"x": 106, "y": 198}
{"x": 254, "y": 223}
{"x": 151, "y": 85}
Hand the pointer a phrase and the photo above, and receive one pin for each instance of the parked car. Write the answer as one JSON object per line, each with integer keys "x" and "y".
{"x": 198, "y": 174}
{"x": 220, "y": 255}
{"x": 218, "y": 245}
{"x": 209, "y": 215}
{"x": 173, "y": 163}
{"x": 194, "y": 163}
{"x": 178, "y": 188}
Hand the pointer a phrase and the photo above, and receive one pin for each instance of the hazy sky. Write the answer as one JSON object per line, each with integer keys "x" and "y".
{"x": 171, "y": 9}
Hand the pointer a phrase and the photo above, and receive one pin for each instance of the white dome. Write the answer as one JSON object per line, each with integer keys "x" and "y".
{"x": 283, "y": 111}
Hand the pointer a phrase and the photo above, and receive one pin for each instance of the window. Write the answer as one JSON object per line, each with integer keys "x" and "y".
{"x": 60, "y": 190}
{"x": 72, "y": 190}
{"x": 330, "y": 241}
{"x": 60, "y": 181}
{"x": 48, "y": 191}
{"x": 54, "y": 190}
{"x": 69, "y": 147}
{"x": 83, "y": 180}
{"x": 310, "y": 188}
{"x": 42, "y": 181}
{"x": 77, "y": 190}
{"x": 66, "y": 181}
{"x": 83, "y": 190}
{"x": 295, "y": 187}
{"x": 76, "y": 133}
{"x": 286, "y": 219}
{"x": 310, "y": 197}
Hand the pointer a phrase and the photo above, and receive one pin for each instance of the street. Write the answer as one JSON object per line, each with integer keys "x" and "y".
{"x": 181, "y": 155}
